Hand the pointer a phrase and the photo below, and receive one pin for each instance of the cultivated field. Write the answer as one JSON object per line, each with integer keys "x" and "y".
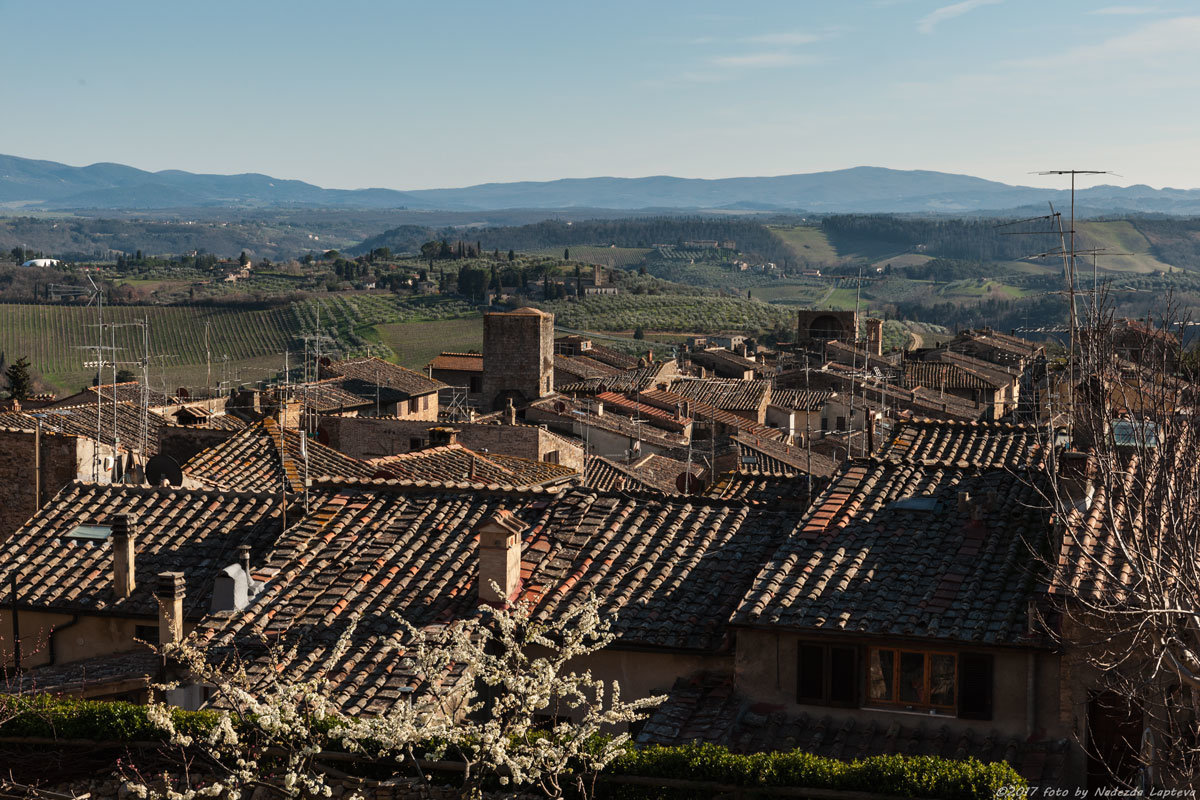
{"x": 57, "y": 338}
{"x": 809, "y": 244}
{"x": 416, "y": 343}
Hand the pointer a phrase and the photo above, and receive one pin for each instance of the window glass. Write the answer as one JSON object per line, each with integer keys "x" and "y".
{"x": 912, "y": 678}
{"x": 941, "y": 679}
{"x": 810, "y": 682}
{"x": 881, "y": 678}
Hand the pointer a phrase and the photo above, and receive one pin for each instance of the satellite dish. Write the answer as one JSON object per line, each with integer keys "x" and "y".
{"x": 182, "y": 393}
{"x": 162, "y": 467}
{"x": 688, "y": 483}
{"x": 323, "y": 436}
{"x": 560, "y": 406}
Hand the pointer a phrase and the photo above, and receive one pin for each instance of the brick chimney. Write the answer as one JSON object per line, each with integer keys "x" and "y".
{"x": 124, "y": 539}
{"x": 169, "y": 592}
{"x": 500, "y": 557}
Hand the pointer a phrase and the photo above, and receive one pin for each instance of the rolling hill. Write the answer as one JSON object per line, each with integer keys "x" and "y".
{"x": 28, "y": 183}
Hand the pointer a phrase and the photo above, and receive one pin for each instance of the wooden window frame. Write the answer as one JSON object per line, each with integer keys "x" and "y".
{"x": 896, "y": 702}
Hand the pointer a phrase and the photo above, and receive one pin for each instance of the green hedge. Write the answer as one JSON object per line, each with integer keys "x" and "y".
{"x": 903, "y": 776}
{"x": 45, "y": 716}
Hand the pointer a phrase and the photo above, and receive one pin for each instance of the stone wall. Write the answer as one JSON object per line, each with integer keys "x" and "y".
{"x": 367, "y": 437}
{"x": 63, "y": 459}
{"x": 181, "y": 442}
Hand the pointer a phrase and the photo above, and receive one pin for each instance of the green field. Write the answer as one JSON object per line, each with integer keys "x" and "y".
{"x": 416, "y": 343}
{"x": 669, "y": 312}
{"x": 56, "y": 339}
{"x": 1119, "y": 237}
{"x": 808, "y": 243}
{"x": 604, "y": 256}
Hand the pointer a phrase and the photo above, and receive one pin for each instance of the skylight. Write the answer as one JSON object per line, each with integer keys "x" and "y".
{"x": 96, "y": 533}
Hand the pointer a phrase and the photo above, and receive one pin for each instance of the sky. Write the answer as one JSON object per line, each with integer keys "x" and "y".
{"x": 413, "y": 95}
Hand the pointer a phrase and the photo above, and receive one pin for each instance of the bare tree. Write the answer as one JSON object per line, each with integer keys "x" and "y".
{"x": 1126, "y": 565}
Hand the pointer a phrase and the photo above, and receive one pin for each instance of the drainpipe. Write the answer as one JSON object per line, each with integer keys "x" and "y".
{"x": 52, "y": 650}
{"x": 37, "y": 465}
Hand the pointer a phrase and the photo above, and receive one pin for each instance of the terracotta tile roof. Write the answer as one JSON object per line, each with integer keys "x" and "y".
{"x": 774, "y": 491}
{"x": 767, "y": 456}
{"x": 725, "y": 393}
{"x": 896, "y": 549}
{"x": 81, "y": 421}
{"x": 1000, "y": 341}
{"x": 457, "y": 463}
{"x": 706, "y": 708}
{"x": 702, "y": 412}
{"x": 964, "y": 444}
{"x": 811, "y": 400}
{"x": 920, "y": 401}
{"x": 581, "y": 413}
{"x": 127, "y": 392}
{"x": 189, "y": 530}
{"x": 630, "y": 407}
{"x": 458, "y": 362}
{"x": 938, "y": 375}
{"x": 672, "y": 571}
{"x": 632, "y": 380}
{"x": 998, "y": 375}
{"x": 374, "y": 371}
{"x": 89, "y": 677}
{"x": 332, "y": 395}
{"x": 267, "y": 458}
{"x": 574, "y": 368}
{"x": 655, "y": 473}
{"x": 718, "y": 358}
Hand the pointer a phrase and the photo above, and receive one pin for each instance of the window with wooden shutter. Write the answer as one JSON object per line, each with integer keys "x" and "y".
{"x": 975, "y": 686}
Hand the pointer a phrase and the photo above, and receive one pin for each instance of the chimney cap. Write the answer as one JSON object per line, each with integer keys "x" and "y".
{"x": 170, "y": 585}
{"x": 124, "y": 525}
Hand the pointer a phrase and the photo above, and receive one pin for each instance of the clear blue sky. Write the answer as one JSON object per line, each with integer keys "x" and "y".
{"x": 413, "y": 95}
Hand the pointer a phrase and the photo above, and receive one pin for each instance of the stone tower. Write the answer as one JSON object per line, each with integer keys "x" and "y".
{"x": 518, "y": 357}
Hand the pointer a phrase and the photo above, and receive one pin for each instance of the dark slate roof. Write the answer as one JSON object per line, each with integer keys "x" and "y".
{"x": 725, "y": 393}
{"x": 705, "y": 708}
{"x": 457, "y": 463}
{"x": 193, "y": 531}
{"x": 266, "y": 458}
{"x": 964, "y": 444}
{"x": 374, "y": 371}
{"x": 896, "y": 549}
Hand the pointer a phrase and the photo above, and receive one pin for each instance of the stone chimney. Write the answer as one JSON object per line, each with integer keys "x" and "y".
{"x": 170, "y": 591}
{"x": 599, "y": 408}
{"x": 875, "y": 337}
{"x": 500, "y": 558}
{"x": 443, "y": 436}
{"x": 510, "y": 413}
{"x": 124, "y": 540}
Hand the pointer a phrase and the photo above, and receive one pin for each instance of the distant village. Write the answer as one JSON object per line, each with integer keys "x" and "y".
{"x": 828, "y": 545}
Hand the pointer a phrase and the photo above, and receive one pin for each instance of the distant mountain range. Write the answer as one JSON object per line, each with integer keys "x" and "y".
{"x": 49, "y": 185}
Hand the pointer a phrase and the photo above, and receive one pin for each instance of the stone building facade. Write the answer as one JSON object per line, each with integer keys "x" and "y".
{"x": 518, "y": 357}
